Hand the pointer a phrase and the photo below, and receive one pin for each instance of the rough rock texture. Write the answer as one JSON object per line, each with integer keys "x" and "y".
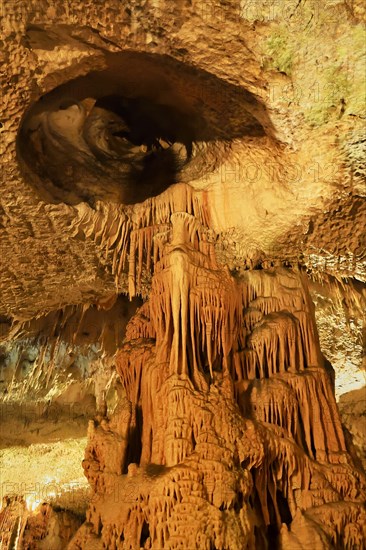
{"x": 229, "y": 417}
{"x": 47, "y": 528}
{"x": 204, "y": 160}
{"x": 352, "y": 409}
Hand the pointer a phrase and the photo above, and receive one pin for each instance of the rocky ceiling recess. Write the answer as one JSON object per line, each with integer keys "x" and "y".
{"x": 128, "y": 132}
{"x": 183, "y": 275}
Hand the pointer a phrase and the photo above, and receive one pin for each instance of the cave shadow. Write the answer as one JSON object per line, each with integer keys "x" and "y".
{"x": 99, "y": 136}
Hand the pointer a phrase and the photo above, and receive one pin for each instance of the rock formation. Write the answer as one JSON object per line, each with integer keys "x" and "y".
{"x": 182, "y": 219}
{"x": 229, "y": 435}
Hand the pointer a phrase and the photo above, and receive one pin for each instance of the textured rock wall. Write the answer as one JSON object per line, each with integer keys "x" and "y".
{"x": 203, "y": 158}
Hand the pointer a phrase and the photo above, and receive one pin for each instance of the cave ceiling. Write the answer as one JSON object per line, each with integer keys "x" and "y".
{"x": 287, "y": 186}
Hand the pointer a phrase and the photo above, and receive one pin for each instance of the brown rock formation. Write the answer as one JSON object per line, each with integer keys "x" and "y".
{"x": 230, "y": 435}
{"x": 47, "y": 528}
{"x": 183, "y": 275}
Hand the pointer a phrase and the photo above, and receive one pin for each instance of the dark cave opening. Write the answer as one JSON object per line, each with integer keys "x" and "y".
{"x": 272, "y": 536}
{"x": 148, "y": 123}
{"x": 145, "y": 534}
{"x": 283, "y": 508}
{"x": 127, "y": 132}
{"x": 134, "y": 447}
{"x": 273, "y": 527}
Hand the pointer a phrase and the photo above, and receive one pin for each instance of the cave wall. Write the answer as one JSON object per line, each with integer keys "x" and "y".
{"x": 203, "y": 160}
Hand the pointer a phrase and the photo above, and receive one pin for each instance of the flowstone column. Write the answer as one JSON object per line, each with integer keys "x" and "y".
{"x": 227, "y": 435}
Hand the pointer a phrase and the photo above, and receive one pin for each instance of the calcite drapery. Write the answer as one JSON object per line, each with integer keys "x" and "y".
{"x": 229, "y": 436}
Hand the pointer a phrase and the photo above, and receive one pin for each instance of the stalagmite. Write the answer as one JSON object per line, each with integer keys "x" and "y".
{"x": 233, "y": 431}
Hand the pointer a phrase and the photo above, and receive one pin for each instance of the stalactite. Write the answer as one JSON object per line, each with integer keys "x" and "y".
{"x": 109, "y": 227}
{"x": 319, "y": 413}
